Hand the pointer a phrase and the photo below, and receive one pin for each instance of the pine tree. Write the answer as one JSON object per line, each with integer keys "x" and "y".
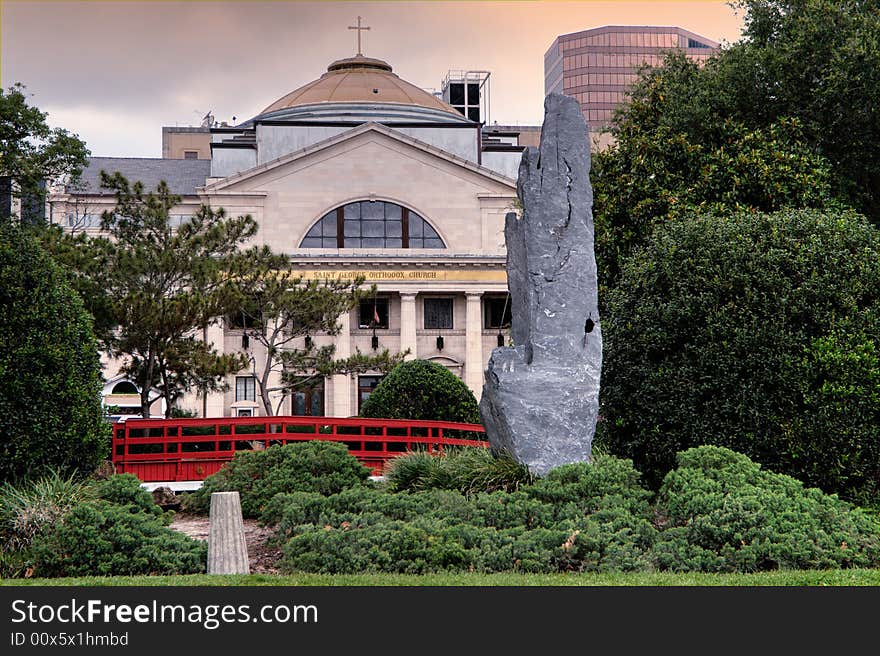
{"x": 165, "y": 285}
{"x": 278, "y": 308}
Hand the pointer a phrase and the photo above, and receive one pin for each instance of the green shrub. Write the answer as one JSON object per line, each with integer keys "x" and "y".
{"x": 428, "y": 544}
{"x": 545, "y": 527}
{"x": 103, "y": 539}
{"x": 313, "y": 466}
{"x": 466, "y": 469}
{"x": 50, "y": 373}
{"x": 723, "y": 513}
{"x": 587, "y": 485}
{"x": 363, "y": 505}
{"x": 126, "y": 490}
{"x": 718, "y": 511}
{"x": 419, "y": 389}
{"x": 392, "y": 546}
{"x": 27, "y": 509}
{"x": 754, "y": 332}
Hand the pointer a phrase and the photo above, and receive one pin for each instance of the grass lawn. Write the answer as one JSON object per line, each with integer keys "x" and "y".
{"x": 847, "y": 577}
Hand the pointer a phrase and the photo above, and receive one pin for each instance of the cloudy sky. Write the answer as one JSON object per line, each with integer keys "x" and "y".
{"x": 116, "y": 72}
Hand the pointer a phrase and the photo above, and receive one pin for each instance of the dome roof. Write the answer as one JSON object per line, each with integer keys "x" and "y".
{"x": 356, "y": 82}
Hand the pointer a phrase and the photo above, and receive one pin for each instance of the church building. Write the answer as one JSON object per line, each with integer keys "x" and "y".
{"x": 356, "y": 173}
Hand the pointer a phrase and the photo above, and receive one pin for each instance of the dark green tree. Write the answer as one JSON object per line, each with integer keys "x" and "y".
{"x": 809, "y": 61}
{"x": 814, "y": 60}
{"x": 50, "y": 383}
{"x": 661, "y": 166}
{"x": 419, "y": 389}
{"x": 31, "y": 153}
{"x": 755, "y": 332}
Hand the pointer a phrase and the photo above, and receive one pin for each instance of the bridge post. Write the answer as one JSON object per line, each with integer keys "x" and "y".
{"x": 227, "y": 549}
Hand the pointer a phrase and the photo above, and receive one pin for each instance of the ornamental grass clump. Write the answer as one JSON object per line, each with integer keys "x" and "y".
{"x": 466, "y": 469}
{"x": 26, "y": 510}
{"x": 60, "y": 526}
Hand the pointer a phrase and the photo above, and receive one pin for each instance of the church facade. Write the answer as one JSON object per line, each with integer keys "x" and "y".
{"x": 358, "y": 173}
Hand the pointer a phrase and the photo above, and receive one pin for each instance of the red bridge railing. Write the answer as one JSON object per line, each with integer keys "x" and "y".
{"x": 192, "y": 449}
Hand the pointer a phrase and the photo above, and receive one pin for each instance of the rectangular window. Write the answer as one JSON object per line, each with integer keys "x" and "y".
{"x": 496, "y": 312}
{"x": 438, "y": 313}
{"x": 241, "y": 320}
{"x": 307, "y": 399}
{"x": 190, "y": 154}
{"x": 366, "y": 385}
{"x": 176, "y": 220}
{"x": 83, "y": 220}
{"x": 245, "y": 388}
{"x": 373, "y": 313}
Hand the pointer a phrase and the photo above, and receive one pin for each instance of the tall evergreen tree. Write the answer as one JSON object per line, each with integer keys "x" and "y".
{"x": 165, "y": 285}
{"x": 50, "y": 374}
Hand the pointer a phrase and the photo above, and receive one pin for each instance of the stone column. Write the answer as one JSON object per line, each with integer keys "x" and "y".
{"x": 214, "y": 407}
{"x": 474, "y": 362}
{"x": 408, "y": 324}
{"x": 227, "y": 548}
{"x": 340, "y": 404}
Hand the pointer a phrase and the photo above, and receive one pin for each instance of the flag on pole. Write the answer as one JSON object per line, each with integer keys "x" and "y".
{"x": 375, "y": 314}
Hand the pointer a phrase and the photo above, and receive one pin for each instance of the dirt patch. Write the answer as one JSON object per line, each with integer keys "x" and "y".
{"x": 263, "y": 559}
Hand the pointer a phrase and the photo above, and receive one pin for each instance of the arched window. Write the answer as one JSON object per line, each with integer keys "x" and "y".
{"x": 372, "y": 224}
{"x": 125, "y": 387}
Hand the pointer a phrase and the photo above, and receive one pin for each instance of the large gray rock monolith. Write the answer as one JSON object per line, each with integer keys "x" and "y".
{"x": 541, "y": 397}
{"x": 227, "y": 548}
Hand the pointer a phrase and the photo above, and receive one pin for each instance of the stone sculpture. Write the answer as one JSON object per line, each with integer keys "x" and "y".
{"x": 541, "y": 397}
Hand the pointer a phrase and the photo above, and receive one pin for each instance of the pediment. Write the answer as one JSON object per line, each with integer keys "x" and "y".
{"x": 364, "y": 144}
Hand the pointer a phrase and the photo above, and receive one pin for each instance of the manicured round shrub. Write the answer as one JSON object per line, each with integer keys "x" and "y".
{"x": 104, "y": 539}
{"x": 313, "y": 466}
{"x": 419, "y": 389}
{"x": 50, "y": 373}
{"x": 757, "y": 332}
{"x": 723, "y": 513}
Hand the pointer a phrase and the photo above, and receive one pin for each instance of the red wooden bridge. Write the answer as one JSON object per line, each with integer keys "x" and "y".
{"x": 192, "y": 449}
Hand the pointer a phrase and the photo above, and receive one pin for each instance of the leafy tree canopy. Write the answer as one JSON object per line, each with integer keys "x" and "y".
{"x": 658, "y": 169}
{"x": 784, "y": 117}
{"x": 757, "y": 332}
{"x": 50, "y": 385}
{"x": 155, "y": 286}
{"x": 30, "y": 151}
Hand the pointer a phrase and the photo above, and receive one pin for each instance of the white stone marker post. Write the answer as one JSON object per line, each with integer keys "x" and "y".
{"x": 227, "y": 549}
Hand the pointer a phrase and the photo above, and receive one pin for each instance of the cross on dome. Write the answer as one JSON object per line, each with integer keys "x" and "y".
{"x": 358, "y": 28}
